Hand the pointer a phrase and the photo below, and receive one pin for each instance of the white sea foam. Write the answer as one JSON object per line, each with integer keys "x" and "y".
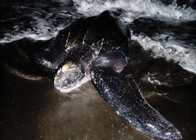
{"x": 41, "y": 31}
{"x": 44, "y": 29}
{"x": 134, "y": 9}
{"x": 186, "y": 58}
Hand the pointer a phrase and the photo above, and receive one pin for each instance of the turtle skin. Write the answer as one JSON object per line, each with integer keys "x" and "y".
{"x": 97, "y": 49}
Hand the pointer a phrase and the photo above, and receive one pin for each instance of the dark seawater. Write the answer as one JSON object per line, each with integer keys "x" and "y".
{"x": 163, "y": 64}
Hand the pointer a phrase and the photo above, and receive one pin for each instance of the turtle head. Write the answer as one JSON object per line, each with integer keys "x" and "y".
{"x": 69, "y": 77}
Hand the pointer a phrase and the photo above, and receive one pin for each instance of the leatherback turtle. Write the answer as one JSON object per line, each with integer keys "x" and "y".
{"x": 97, "y": 48}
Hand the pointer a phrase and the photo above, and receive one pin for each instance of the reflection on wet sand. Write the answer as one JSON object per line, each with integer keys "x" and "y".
{"x": 33, "y": 109}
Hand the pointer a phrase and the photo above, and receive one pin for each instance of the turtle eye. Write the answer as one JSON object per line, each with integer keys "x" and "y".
{"x": 68, "y": 77}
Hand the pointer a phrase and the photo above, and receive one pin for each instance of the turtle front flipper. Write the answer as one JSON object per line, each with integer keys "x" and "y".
{"x": 48, "y": 54}
{"x": 123, "y": 94}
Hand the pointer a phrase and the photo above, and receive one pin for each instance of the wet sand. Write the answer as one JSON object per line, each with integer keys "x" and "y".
{"x": 32, "y": 109}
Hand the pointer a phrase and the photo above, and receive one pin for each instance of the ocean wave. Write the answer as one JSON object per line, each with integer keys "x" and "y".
{"x": 47, "y": 19}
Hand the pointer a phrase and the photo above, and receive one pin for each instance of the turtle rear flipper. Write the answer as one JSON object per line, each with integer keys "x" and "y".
{"x": 123, "y": 94}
